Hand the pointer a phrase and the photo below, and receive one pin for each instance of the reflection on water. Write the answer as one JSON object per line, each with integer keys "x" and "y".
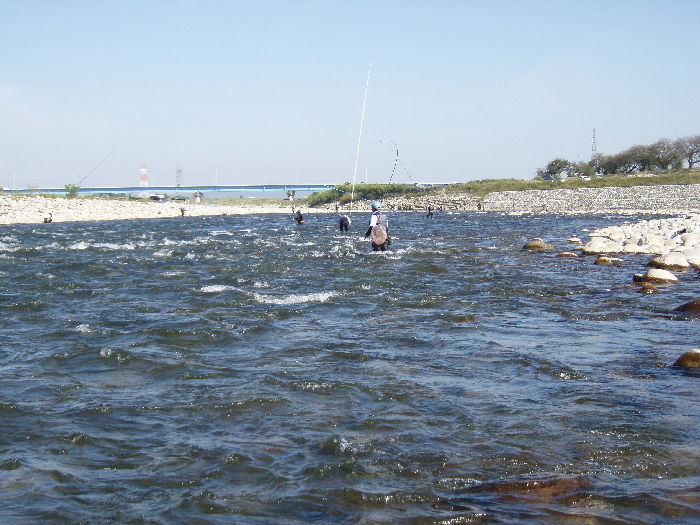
{"x": 249, "y": 370}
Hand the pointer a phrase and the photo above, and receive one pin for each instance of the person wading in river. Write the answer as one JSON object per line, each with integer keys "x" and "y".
{"x": 378, "y": 228}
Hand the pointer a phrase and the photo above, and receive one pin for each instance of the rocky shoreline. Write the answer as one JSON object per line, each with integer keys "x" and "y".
{"x": 669, "y": 199}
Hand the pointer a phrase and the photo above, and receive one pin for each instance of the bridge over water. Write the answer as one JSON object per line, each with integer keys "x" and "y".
{"x": 175, "y": 190}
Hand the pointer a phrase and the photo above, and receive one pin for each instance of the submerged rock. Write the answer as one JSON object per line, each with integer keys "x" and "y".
{"x": 567, "y": 254}
{"x": 542, "y": 486}
{"x": 648, "y": 288}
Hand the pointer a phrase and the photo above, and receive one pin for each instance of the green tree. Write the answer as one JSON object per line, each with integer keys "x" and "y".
{"x": 664, "y": 155}
{"x": 584, "y": 168}
{"x": 72, "y": 190}
{"x": 688, "y": 148}
{"x": 557, "y": 169}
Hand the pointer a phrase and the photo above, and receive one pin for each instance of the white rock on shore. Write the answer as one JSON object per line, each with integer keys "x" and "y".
{"x": 678, "y": 235}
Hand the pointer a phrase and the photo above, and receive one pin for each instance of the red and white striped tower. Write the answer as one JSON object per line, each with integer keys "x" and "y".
{"x": 144, "y": 175}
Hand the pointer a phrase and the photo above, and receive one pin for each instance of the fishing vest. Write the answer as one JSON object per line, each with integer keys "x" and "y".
{"x": 382, "y": 220}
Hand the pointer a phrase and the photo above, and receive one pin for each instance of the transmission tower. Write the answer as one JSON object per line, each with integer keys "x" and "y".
{"x": 178, "y": 176}
{"x": 144, "y": 175}
{"x": 593, "y": 148}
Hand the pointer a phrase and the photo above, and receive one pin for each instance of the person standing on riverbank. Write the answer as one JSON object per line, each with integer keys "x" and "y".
{"x": 378, "y": 228}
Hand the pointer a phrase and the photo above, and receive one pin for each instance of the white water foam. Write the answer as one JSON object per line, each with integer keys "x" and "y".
{"x": 217, "y": 288}
{"x": 114, "y": 246}
{"x": 295, "y": 298}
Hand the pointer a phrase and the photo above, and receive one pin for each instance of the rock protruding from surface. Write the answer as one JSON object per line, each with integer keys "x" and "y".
{"x": 692, "y": 307}
{"x": 689, "y": 360}
{"x": 606, "y": 260}
{"x": 656, "y": 275}
{"x": 538, "y": 245}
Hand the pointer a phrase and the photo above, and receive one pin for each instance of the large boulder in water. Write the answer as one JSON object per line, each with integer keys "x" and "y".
{"x": 689, "y": 360}
{"x": 673, "y": 260}
{"x": 658, "y": 275}
{"x": 601, "y": 245}
{"x": 692, "y": 256}
{"x": 538, "y": 245}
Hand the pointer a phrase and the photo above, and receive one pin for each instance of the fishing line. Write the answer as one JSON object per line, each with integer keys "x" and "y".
{"x": 407, "y": 173}
{"x": 357, "y": 156}
{"x": 98, "y": 165}
{"x": 396, "y": 161}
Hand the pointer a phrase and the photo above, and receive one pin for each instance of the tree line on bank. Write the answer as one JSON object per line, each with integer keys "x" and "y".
{"x": 664, "y": 154}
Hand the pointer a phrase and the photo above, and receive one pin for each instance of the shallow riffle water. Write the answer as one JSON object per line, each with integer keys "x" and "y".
{"x": 243, "y": 369}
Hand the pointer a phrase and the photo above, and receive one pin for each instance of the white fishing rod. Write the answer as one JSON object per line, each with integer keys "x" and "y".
{"x": 357, "y": 156}
{"x": 98, "y": 165}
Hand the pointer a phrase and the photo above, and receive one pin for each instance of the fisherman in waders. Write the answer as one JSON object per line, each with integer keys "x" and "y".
{"x": 378, "y": 228}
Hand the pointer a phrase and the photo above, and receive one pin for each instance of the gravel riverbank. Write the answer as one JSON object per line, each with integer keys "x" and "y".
{"x": 28, "y": 210}
{"x": 670, "y": 199}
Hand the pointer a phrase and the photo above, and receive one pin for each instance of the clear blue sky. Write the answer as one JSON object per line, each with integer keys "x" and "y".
{"x": 272, "y": 91}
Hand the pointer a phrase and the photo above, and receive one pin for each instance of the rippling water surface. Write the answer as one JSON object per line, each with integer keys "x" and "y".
{"x": 248, "y": 370}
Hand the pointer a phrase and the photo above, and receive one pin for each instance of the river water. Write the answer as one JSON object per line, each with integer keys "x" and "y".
{"x": 243, "y": 369}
